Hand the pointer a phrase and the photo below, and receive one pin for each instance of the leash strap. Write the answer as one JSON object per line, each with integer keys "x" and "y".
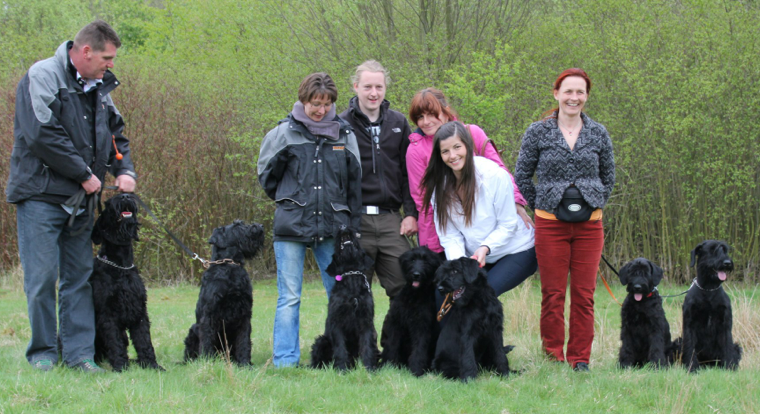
{"x": 616, "y": 272}
{"x": 445, "y": 307}
{"x": 610, "y": 266}
{"x": 176, "y": 240}
{"x": 608, "y": 287}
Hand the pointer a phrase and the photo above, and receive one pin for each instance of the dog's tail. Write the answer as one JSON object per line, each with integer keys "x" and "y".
{"x": 321, "y": 352}
{"x": 192, "y": 343}
{"x": 675, "y": 352}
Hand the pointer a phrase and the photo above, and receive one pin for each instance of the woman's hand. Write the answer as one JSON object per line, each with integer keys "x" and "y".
{"x": 524, "y": 216}
{"x": 480, "y": 255}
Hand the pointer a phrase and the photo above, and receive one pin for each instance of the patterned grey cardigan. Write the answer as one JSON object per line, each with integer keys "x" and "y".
{"x": 544, "y": 151}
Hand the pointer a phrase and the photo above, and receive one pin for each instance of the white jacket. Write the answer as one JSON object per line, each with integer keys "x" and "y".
{"x": 495, "y": 222}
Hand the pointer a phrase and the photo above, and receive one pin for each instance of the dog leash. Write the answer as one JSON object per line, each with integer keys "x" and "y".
{"x": 662, "y": 296}
{"x": 445, "y": 306}
{"x": 192, "y": 254}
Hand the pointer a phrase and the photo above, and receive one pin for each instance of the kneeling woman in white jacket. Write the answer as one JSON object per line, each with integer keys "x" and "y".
{"x": 474, "y": 210}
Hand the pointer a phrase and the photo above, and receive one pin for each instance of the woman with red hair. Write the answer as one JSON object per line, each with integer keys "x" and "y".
{"x": 429, "y": 110}
{"x": 571, "y": 156}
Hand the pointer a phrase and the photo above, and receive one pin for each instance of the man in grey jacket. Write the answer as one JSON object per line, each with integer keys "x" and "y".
{"x": 68, "y": 133}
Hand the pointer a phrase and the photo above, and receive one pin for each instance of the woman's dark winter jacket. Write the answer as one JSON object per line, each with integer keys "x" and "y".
{"x": 62, "y": 134}
{"x": 590, "y": 165}
{"x": 315, "y": 181}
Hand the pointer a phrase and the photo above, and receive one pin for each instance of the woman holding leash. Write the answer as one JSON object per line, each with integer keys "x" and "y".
{"x": 571, "y": 155}
{"x": 429, "y": 110}
{"x": 473, "y": 204}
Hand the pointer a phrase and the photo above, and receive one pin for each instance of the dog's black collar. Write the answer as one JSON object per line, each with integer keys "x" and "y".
{"x": 706, "y": 290}
{"x": 108, "y": 262}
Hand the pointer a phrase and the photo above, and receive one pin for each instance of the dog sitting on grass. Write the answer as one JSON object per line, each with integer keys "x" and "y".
{"x": 223, "y": 312}
{"x": 644, "y": 330}
{"x": 118, "y": 291}
{"x": 410, "y": 330}
{"x": 707, "y": 316}
{"x": 349, "y": 328}
{"x": 472, "y": 335}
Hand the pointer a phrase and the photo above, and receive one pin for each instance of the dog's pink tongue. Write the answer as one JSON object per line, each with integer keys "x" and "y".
{"x": 416, "y": 284}
{"x": 722, "y": 275}
{"x": 638, "y": 296}
{"x": 126, "y": 214}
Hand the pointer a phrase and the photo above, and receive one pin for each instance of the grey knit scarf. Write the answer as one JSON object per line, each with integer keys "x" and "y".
{"x": 326, "y": 127}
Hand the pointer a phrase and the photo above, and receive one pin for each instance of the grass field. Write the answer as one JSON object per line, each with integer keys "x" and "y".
{"x": 215, "y": 386}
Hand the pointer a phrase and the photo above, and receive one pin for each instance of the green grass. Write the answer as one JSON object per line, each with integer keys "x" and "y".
{"x": 215, "y": 386}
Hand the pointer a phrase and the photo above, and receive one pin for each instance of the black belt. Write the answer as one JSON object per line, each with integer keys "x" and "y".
{"x": 375, "y": 210}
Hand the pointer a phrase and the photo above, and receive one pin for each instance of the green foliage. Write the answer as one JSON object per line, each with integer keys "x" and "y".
{"x": 673, "y": 82}
{"x": 31, "y": 30}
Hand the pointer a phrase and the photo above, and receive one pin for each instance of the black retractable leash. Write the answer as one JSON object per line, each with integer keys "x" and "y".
{"x": 662, "y": 296}
{"x": 176, "y": 240}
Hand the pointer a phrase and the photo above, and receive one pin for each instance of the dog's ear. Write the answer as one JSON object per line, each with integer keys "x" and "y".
{"x": 656, "y": 273}
{"x": 217, "y": 238}
{"x": 97, "y": 233}
{"x": 696, "y": 252}
{"x": 368, "y": 262}
{"x": 471, "y": 267}
{"x": 332, "y": 269}
{"x": 623, "y": 273}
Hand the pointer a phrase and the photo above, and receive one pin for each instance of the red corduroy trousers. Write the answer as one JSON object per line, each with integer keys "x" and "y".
{"x": 563, "y": 248}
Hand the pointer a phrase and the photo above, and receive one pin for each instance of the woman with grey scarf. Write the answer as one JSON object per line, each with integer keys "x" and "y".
{"x": 310, "y": 166}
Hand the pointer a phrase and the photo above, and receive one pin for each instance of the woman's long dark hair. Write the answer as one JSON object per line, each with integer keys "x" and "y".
{"x": 439, "y": 178}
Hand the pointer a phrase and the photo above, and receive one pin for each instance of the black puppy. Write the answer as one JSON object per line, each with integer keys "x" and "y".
{"x": 707, "y": 317}
{"x": 410, "y": 330}
{"x": 644, "y": 330}
{"x": 118, "y": 291}
{"x": 223, "y": 312}
{"x": 349, "y": 328}
{"x": 472, "y": 335}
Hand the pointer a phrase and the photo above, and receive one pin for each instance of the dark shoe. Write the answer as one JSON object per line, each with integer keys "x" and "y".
{"x": 89, "y": 366}
{"x": 43, "y": 365}
{"x": 581, "y": 367}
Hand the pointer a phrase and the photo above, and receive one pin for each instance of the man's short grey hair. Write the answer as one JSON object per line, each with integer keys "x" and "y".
{"x": 370, "y": 66}
{"x": 97, "y": 34}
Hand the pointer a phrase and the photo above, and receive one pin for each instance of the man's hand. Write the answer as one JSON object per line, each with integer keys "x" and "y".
{"x": 92, "y": 185}
{"x": 408, "y": 226}
{"x": 125, "y": 183}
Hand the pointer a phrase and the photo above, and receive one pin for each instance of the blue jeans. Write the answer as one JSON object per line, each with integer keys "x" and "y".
{"x": 49, "y": 252}
{"x": 290, "y": 258}
{"x": 511, "y": 270}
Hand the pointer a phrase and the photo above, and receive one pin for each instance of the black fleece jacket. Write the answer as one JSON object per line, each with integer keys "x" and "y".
{"x": 384, "y": 177}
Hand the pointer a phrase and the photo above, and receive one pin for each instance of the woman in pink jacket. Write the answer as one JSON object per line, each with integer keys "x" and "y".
{"x": 429, "y": 110}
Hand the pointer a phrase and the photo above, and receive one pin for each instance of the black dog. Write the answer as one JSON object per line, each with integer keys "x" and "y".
{"x": 644, "y": 330}
{"x": 223, "y": 311}
{"x": 118, "y": 291}
{"x": 707, "y": 318}
{"x": 349, "y": 328}
{"x": 410, "y": 330}
{"x": 472, "y": 335}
